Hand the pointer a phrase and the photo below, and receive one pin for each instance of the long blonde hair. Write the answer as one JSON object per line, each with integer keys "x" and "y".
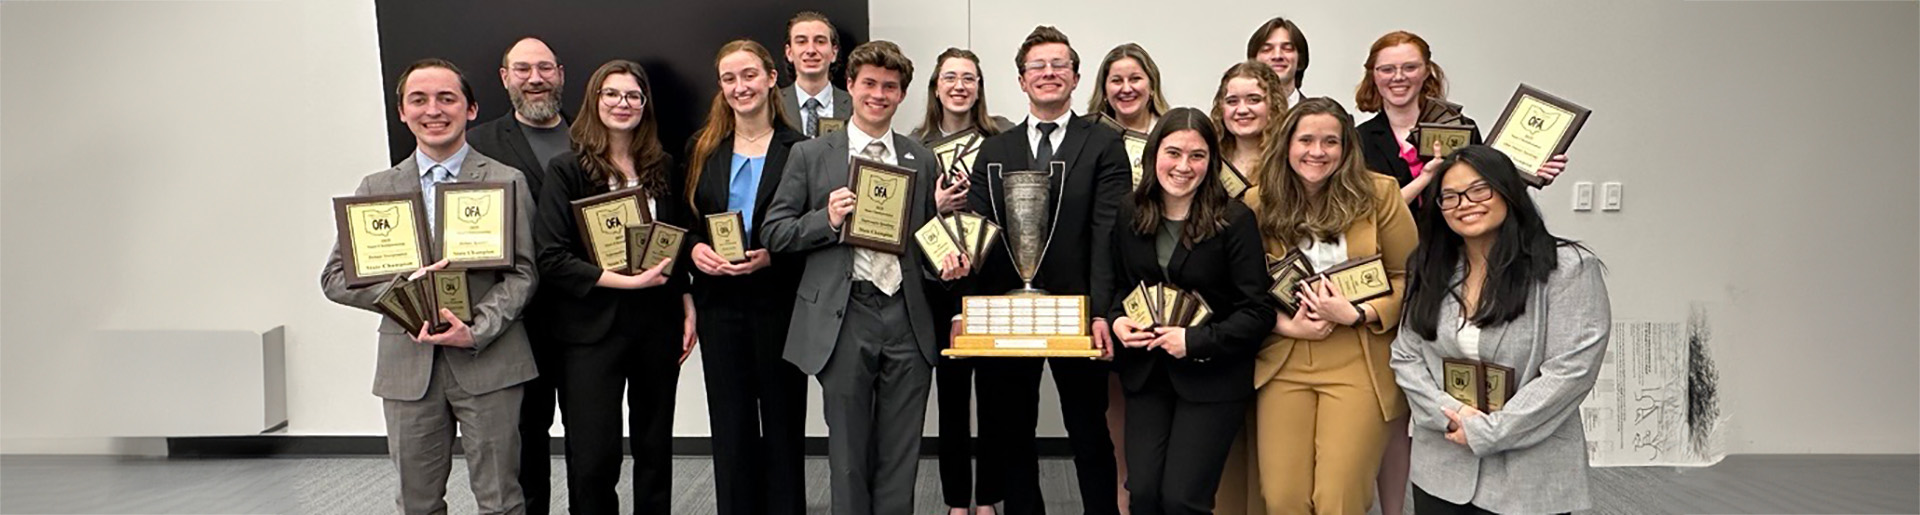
{"x": 719, "y": 124}
{"x": 1276, "y": 102}
{"x": 1156, "y": 103}
{"x": 1293, "y": 213}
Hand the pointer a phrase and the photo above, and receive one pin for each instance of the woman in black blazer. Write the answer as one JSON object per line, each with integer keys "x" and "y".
{"x": 756, "y": 401}
{"x": 1407, "y": 88}
{"x": 622, "y": 334}
{"x": 956, "y": 103}
{"x": 1187, "y": 388}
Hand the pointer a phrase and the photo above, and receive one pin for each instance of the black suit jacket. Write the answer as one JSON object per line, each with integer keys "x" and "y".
{"x": 771, "y": 286}
{"x": 1229, "y": 270}
{"x": 501, "y": 138}
{"x": 574, "y": 310}
{"x": 1098, "y": 177}
{"x": 1382, "y": 150}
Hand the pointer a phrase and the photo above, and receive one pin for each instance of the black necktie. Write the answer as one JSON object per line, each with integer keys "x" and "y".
{"x": 1044, "y": 154}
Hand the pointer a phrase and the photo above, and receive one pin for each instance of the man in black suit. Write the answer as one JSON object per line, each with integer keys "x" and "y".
{"x": 1077, "y": 262}
{"x": 536, "y": 130}
{"x": 525, "y": 139}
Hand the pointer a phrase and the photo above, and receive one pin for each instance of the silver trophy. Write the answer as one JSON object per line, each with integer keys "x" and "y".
{"x": 1027, "y": 218}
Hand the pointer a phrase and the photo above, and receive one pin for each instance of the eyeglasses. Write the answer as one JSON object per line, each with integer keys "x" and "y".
{"x": 950, "y": 78}
{"x": 611, "y": 97}
{"x": 1041, "y": 66}
{"x": 524, "y": 70}
{"x": 1478, "y": 192}
{"x": 1386, "y": 70}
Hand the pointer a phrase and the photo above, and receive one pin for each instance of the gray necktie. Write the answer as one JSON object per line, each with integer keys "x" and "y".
{"x": 810, "y": 120}
{"x": 880, "y": 268}
{"x": 436, "y": 175}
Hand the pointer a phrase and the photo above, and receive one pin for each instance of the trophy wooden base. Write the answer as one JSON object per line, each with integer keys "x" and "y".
{"x": 1022, "y": 346}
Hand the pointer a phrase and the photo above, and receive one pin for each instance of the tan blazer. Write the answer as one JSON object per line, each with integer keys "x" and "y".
{"x": 1386, "y": 230}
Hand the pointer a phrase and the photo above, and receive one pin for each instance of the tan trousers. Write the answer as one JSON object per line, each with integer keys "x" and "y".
{"x": 1314, "y": 440}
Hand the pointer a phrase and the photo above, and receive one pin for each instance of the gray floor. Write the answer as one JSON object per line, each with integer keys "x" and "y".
{"x": 36, "y": 484}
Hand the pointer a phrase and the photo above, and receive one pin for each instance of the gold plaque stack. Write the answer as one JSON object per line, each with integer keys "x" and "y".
{"x": 603, "y": 221}
{"x": 648, "y": 245}
{"x": 1026, "y": 322}
{"x": 1485, "y": 386}
{"x": 412, "y": 303}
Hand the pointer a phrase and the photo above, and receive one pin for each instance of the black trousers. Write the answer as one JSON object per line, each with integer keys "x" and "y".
{"x": 1176, "y": 448}
{"x": 536, "y": 424}
{"x": 1426, "y": 504}
{"x": 961, "y": 484}
{"x": 757, "y": 403}
{"x": 1010, "y": 410}
{"x": 641, "y": 360}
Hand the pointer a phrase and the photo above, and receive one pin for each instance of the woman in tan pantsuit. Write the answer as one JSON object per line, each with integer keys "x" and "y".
{"x": 1325, "y": 392}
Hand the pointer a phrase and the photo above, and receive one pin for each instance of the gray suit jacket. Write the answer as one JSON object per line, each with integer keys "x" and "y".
{"x": 797, "y": 222}
{"x": 842, "y": 105}
{"x": 500, "y": 356}
{"x": 1531, "y": 456}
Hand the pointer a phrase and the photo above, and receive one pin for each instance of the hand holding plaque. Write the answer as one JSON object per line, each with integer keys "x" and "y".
{"x": 603, "y": 221}
{"x": 1485, "y": 386}
{"x": 1535, "y": 127}
{"x": 880, "y": 210}
{"x": 727, "y": 234}
{"x": 649, "y": 245}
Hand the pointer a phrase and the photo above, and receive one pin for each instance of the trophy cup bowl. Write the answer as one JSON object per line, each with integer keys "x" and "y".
{"x": 1028, "y": 220}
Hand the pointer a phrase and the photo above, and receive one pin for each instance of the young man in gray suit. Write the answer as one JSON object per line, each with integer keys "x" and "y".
{"x": 861, "y": 324}
{"x": 812, "y": 46}
{"x": 466, "y": 376}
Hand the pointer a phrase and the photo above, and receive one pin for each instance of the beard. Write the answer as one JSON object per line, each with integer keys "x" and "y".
{"x": 537, "y": 110}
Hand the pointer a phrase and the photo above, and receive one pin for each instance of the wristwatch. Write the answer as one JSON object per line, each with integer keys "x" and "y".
{"x": 1360, "y": 320}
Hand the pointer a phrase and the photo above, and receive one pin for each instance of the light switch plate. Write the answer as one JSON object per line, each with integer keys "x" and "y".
{"x": 1583, "y": 196}
{"x": 1610, "y": 196}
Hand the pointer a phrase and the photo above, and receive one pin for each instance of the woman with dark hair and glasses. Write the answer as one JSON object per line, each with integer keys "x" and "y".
{"x": 623, "y": 335}
{"x": 957, "y": 103}
{"x": 1187, "y": 388}
{"x": 1512, "y": 317}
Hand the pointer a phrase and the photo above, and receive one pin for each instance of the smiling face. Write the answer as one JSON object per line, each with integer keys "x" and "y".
{"x": 810, "y": 47}
{"x": 1047, "y": 76}
{"x": 1398, "y": 73}
{"x": 1128, "y": 89}
{"x": 1480, "y": 211}
{"x": 534, "y": 78}
{"x": 876, "y": 95}
{"x": 1278, "y": 52}
{"x": 744, "y": 82}
{"x": 1180, "y": 164}
{"x": 959, "y": 84}
{"x": 435, "y": 110}
{"x": 1314, "y": 150}
{"x": 1246, "y": 107}
{"x": 618, "y": 110}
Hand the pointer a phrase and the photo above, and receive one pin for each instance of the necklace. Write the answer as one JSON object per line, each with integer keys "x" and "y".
{"x": 751, "y": 139}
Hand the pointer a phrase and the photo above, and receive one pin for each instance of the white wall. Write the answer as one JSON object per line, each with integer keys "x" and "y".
{"x": 1767, "y": 149}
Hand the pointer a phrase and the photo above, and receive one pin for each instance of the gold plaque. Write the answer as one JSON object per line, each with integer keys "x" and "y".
{"x": 1136, "y": 306}
{"x": 476, "y": 223}
{"x": 971, "y": 226}
{"x": 827, "y": 125}
{"x": 1359, "y": 280}
{"x": 1499, "y": 387}
{"x": 879, "y": 217}
{"x": 1450, "y": 137}
{"x": 1534, "y": 128}
{"x": 1462, "y": 381}
{"x": 380, "y": 236}
{"x": 657, "y": 243}
{"x": 1288, "y": 272}
{"x": 1231, "y": 179}
{"x": 603, "y": 221}
{"x": 959, "y": 233}
{"x": 728, "y": 236}
{"x": 936, "y": 242}
{"x": 989, "y": 235}
{"x": 1136, "y": 143}
{"x": 391, "y": 304}
{"x": 450, "y": 293}
{"x": 956, "y": 153}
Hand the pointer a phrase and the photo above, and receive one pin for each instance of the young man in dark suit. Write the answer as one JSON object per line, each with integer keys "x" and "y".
{"x": 812, "y": 46}
{"x": 1077, "y": 262}
{"x": 861, "y": 324}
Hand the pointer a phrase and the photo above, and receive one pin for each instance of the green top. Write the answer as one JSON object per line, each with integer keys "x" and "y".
{"x": 1167, "y": 239}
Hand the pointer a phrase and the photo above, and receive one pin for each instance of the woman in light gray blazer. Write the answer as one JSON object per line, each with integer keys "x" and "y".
{"x": 1505, "y": 328}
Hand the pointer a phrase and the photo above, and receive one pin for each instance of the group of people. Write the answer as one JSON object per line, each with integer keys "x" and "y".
{"x": 1327, "y": 409}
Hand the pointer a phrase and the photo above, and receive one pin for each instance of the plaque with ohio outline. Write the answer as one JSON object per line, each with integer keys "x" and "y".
{"x": 881, "y": 206}
{"x": 380, "y": 236}
{"x": 603, "y": 221}
{"x": 1536, "y": 126}
{"x": 476, "y": 224}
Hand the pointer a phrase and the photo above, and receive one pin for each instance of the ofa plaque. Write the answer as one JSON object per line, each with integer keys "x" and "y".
{"x": 1534, "y": 128}
{"x": 380, "y": 236}
{"x": 727, "y": 234}
{"x": 476, "y": 224}
{"x": 880, "y": 206}
{"x": 603, "y": 221}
